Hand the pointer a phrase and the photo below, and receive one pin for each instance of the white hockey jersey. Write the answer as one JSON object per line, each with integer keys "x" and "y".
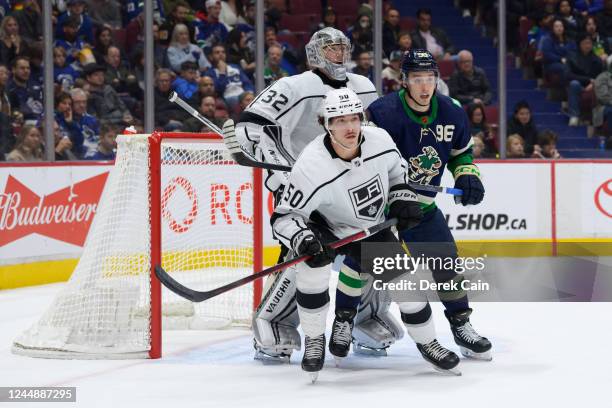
{"x": 347, "y": 195}
{"x": 289, "y": 108}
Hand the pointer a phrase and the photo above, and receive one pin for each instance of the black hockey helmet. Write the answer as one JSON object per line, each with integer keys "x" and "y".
{"x": 419, "y": 60}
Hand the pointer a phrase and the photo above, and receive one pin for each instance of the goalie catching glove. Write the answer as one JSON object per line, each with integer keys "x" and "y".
{"x": 307, "y": 243}
{"x": 467, "y": 178}
{"x": 404, "y": 205}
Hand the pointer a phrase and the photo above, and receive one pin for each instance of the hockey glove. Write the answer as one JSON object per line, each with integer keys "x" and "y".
{"x": 307, "y": 243}
{"x": 467, "y": 178}
{"x": 404, "y": 205}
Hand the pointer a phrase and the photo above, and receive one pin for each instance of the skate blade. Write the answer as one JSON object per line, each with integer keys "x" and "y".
{"x": 366, "y": 351}
{"x": 338, "y": 360}
{"x": 313, "y": 376}
{"x": 484, "y": 356}
{"x": 268, "y": 359}
{"x": 452, "y": 371}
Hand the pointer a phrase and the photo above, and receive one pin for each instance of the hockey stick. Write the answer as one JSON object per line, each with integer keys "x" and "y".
{"x": 233, "y": 146}
{"x": 229, "y": 138}
{"x": 197, "y": 296}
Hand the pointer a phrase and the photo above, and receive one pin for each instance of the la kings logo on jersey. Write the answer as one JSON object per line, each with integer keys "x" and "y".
{"x": 368, "y": 199}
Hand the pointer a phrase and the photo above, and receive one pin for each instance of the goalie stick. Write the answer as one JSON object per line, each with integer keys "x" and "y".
{"x": 197, "y": 296}
{"x": 229, "y": 138}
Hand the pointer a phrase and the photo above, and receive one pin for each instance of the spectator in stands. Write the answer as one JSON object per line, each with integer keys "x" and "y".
{"x": 364, "y": 65}
{"x": 361, "y": 35}
{"x": 118, "y": 74}
{"x": 432, "y": 38}
{"x": 392, "y": 75}
{"x": 601, "y": 47}
{"x": 30, "y": 21}
{"x": 239, "y": 54}
{"x": 105, "y": 13}
{"x": 179, "y": 14}
{"x": 583, "y": 68}
{"x": 230, "y": 12}
{"x": 25, "y": 93}
{"x": 187, "y": 83}
{"x": 65, "y": 119}
{"x": 212, "y": 31}
{"x": 547, "y": 146}
{"x": 104, "y": 39}
{"x": 515, "y": 147}
{"x": 181, "y": 50}
{"x": 480, "y": 128}
{"x": 28, "y": 147}
{"x": 587, "y": 7}
{"x": 63, "y": 74}
{"x": 604, "y": 19}
{"x": 245, "y": 99}
{"x": 290, "y": 60}
{"x": 63, "y": 144}
{"x": 330, "y": 19}
{"x": 556, "y": 48}
{"x": 603, "y": 94}
{"x": 522, "y": 124}
{"x": 478, "y": 148}
{"x": 573, "y": 20}
{"x": 391, "y": 30}
{"x": 246, "y": 23}
{"x": 11, "y": 43}
{"x": 87, "y": 125}
{"x": 230, "y": 80}
{"x": 6, "y": 130}
{"x": 69, "y": 40}
{"x": 168, "y": 115}
{"x": 104, "y": 103}
{"x": 469, "y": 84}
{"x": 206, "y": 87}
{"x": 404, "y": 42}
{"x": 442, "y": 88}
{"x": 76, "y": 8}
{"x": 207, "y": 109}
{"x": 107, "y": 147}
{"x": 273, "y": 71}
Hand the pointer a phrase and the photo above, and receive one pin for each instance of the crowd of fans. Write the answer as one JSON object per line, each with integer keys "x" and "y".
{"x": 205, "y": 51}
{"x": 567, "y": 46}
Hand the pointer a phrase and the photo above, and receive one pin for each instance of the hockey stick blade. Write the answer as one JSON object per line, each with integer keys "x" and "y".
{"x": 197, "y": 296}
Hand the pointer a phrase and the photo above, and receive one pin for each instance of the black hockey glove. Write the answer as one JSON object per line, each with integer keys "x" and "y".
{"x": 404, "y": 205}
{"x": 467, "y": 178}
{"x": 307, "y": 243}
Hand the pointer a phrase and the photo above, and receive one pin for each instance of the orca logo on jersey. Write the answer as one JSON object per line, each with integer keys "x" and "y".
{"x": 368, "y": 199}
{"x": 424, "y": 167}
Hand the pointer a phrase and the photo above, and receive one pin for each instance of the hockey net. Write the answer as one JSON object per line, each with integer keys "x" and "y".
{"x": 175, "y": 199}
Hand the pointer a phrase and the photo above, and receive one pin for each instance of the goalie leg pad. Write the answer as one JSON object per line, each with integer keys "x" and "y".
{"x": 418, "y": 321}
{"x": 276, "y": 320}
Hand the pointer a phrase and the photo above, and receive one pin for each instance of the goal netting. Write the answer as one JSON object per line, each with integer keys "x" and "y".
{"x": 178, "y": 199}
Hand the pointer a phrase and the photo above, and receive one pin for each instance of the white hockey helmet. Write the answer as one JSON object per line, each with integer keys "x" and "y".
{"x": 315, "y": 52}
{"x": 340, "y": 102}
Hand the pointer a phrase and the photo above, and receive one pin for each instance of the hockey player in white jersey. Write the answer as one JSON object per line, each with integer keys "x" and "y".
{"x": 275, "y": 128}
{"x": 340, "y": 184}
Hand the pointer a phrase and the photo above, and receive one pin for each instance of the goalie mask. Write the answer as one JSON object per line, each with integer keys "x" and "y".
{"x": 329, "y": 50}
{"x": 341, "y": 102}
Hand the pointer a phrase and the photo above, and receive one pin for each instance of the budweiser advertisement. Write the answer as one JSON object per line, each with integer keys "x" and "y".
{"x": 46, "y": 212}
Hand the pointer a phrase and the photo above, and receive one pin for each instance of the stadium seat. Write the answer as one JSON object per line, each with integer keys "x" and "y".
{"x": 297, "y": 39}
{"x": 305, "y": 7}
{"x": 345, "y": 21}
{"x": 344, "y": 6}
{"x": 299, "y": 22}
{"x": 447, "y": 67}
{"x": 492, "y": 114}
{"x": 119, "y": 38}
{"x": 407, "y": 23}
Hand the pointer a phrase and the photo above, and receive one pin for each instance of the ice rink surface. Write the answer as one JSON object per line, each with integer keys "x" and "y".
{"x": 545, "y": 354}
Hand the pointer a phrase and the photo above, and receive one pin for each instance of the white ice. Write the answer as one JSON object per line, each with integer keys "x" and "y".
{"x": 545, "y": 354}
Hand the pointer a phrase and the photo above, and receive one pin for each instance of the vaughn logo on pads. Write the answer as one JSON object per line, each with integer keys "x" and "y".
{"x": 65, "y": 215}
{"x": 368, "y": 200}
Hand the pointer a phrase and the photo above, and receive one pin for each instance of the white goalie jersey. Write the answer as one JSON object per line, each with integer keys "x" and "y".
{"x": 282, "y": 120}
{"x": 347, "y": 195}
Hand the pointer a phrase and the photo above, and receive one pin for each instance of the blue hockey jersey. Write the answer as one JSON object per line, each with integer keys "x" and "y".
{"x": 428, "y": 143}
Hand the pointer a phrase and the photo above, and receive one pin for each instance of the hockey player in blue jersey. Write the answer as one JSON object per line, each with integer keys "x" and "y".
{"x": 432, "y": 132}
